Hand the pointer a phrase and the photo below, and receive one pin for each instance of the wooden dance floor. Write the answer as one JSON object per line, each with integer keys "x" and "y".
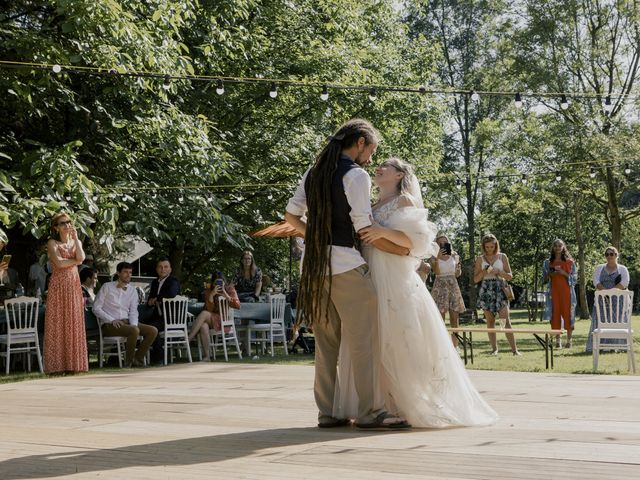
{"x": 228, "y": 421}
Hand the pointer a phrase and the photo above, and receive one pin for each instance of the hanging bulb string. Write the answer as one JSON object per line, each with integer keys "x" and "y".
{"x": 12, "y": 64}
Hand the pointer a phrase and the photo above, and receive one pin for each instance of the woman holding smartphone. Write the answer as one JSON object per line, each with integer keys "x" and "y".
{"x": 446, "y": 291}
{"x": 559, "y": 270}
{"x": 209, "y": 318}
{"x": 492, "y": 271}
{"x": 65, "y": 342}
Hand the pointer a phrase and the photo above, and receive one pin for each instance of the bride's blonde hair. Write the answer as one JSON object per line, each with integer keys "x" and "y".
{"x": 404, "y": 186}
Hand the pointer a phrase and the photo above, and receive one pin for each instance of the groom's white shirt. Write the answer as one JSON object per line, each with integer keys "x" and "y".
{"x": 357, "y": 188}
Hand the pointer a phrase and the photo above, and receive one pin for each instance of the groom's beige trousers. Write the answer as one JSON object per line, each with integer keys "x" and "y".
{"x": 354, "y": 307}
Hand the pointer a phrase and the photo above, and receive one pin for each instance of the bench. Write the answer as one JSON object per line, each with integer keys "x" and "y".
{"x": 546, "y": 342}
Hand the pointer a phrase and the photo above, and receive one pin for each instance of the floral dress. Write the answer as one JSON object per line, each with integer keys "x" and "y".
{"x": 65, "y": 341}
{"x": 491, "y": 297}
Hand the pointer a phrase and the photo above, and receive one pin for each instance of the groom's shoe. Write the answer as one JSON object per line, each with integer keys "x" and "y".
{"x": 334, "y": 422}
{"x": 385, "y": 421}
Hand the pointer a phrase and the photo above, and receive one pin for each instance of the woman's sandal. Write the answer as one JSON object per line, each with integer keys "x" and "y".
{"x": 385, "y": 421}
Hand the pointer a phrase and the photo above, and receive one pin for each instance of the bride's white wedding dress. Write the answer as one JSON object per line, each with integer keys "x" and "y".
{"x": 422, "y": 377}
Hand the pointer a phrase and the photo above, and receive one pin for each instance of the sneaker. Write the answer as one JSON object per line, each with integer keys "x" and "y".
{"x": 494, "y": 353}
{"x": 516, "y": 353}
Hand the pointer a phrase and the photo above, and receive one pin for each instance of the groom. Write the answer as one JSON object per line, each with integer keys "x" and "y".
{"x": 336, "y": 293}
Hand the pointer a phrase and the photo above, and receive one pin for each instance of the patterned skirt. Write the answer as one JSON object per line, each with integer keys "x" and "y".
{"x": 491, "y": 297}
{"x": 446, "y": 294}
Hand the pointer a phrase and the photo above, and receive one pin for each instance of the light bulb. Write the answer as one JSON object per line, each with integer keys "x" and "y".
{"x": 269, "y": 197}
{"x": 56, "y": 68}
{"x": 458, "y": 184}
{"x": 324, "y": 96}
{"x": 564, "y": 103}
{"x": 273, "y": 93}
{"x": 607, "y": 105}
{"x": 220, "y": 87}
{"x": 524, "y": 179}
{"x": 627, "y": 169}
{"x": 558, "y": 177}
{"x": 167, "y": 82}
{"x": 518, "y": 101}
{"x": 491, "y": 178}
{"x": 475, "y": 96}
{"x": 373, "y": 95}
{"x": 592, "y": 172}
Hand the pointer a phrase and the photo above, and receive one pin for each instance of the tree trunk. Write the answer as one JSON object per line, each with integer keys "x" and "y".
{"x": 176, "y": 257}
{"x": 582, "y": 279}
{"x": 615, "y": 220}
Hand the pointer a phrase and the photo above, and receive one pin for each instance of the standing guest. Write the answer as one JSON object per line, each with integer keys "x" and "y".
{"x": 209, "y": 318}
{"x": 248, "y": 279}
{"x": 446, "y": 291}
{"x": 37, "y": 275}
{"x": 559, "y": 270}
{"x": 606, "y": 276}
{"x": 492, "y": 271}
{"x": 163, "y": 286}
{"x": 65, "y": 342}
{"x": 116, "y": 307}
{"x": 88, "y": 281}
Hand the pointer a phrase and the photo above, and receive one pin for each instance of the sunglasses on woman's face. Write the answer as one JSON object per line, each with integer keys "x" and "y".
{"x": 64, "y": 222}
{"x": 610, "y": 254}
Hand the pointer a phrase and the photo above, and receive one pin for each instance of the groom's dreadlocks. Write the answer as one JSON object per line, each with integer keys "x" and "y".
{"x": 317, "y": 257}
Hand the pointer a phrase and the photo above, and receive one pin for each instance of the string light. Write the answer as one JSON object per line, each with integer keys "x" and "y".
{"x": 592, "y": 172}
{"x": 269, "y": 197}
{"x": 167, "y": 82}
{"x": 475, "y": 96}
{"x": 458, "y": 183}
{"x": 564, "y": 103}
{"x": 607, "y": 104}
{"x": 56, "y": 68}
{"x": 373, "y": 94}
{"x": 220, "y": 86}
{"x": 491, "y": 178}
{"x": 524, "y": 179}
{"x": 273, "y": 93}
{"x": 518, "y": 101}
{"x": 558, "y": 176}
{"x": 324, "y": 96}
{"x": 181, "y": 198}
{"x": 627, "y": 169}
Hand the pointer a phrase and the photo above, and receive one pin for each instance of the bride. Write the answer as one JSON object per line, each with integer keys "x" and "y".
{"x": 421, "y": 377}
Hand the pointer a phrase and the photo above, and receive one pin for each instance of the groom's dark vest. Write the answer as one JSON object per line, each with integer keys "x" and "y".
{"x": 342, "y": 232}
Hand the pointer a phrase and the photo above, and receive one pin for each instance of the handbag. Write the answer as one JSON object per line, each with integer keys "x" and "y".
{"x": 508, "y": 291}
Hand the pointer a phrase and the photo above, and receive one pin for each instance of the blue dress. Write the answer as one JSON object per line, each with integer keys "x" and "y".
{"x": 608, "y": 280}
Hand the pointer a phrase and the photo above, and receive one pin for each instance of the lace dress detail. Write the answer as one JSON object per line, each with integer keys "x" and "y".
{"x": 422, "y": 376}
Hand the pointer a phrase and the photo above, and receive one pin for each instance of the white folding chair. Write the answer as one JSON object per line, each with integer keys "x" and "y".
{"x": 113, "y": 346}
{"x": 613, "y": 320}
{"x": 22, "y": 330}
{"x": 227, "y": 332}
{"x": 275, "y": 329}
{"x": 175, "y": 332}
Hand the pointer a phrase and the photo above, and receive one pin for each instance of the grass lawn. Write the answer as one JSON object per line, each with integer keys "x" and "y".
{"x": 573, "y": 360}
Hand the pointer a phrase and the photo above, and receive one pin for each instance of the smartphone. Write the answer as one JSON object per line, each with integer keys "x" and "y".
{"x": 219, "y": 282}
{"x": 6, "y": 259}
{"x": 447, "y": 248}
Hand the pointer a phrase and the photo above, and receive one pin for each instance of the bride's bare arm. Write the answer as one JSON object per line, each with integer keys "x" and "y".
{"x": 390, "y": 247}
{"x": 376, "y": 232}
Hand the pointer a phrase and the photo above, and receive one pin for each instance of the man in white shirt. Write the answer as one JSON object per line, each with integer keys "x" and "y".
{"x": 116, "y": 307}
{"x": 336, "y": 292}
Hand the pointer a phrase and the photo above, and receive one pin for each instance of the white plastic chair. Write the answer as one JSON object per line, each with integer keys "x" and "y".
{"x": 275, "y": 329}
{"x": 613, "y": 320}
{"x": 22, "y": 330}
{"x": 175, "y": 332}
{"x": 111, "y": 347}
{"x": 227, "y": 332}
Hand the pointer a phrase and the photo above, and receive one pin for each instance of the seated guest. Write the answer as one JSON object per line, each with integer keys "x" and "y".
{"x": 248, "y": 279}
{"x": 116, "y": 307}
{"x": 37, "y": 275}
{"x": 163, "y": 286}
{"x": 88, "y": 281}
{"x": 210, "y": 316}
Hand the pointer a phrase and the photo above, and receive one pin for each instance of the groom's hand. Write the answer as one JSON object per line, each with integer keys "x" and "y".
{"x": 390, "y": 247}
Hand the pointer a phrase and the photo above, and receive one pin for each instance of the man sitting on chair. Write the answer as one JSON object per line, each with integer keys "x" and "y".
{"x": 116, "y": 307}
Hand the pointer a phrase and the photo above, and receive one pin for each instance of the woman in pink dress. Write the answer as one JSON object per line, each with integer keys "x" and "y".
{"x": 65, "y": 342}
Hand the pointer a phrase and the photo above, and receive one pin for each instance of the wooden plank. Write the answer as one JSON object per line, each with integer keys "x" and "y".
{"x": 258, "y": 422}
